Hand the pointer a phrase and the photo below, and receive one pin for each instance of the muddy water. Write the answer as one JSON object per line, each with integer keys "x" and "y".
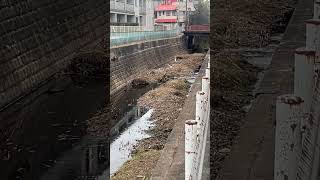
{"x": 47, "y": 139}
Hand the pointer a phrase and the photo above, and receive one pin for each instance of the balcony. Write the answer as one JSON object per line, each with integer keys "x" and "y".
{"x": 142, "y": 10}
{"x": 118, "y": 6}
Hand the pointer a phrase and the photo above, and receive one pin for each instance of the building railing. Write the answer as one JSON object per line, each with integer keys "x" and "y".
{"x": 121, "y": 6}
{"x": 123, "y": 29}
{"x": 196, "y": 131}
{"x": 120, "y": 38}
{"x": 297, "y": 140}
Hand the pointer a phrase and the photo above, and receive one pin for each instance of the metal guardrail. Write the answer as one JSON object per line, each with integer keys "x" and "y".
{"x": 119, "y": 38}
{"x": 297, "y": 143}
{"x": 125, "y": 29}
{"x": 196, "y": 130}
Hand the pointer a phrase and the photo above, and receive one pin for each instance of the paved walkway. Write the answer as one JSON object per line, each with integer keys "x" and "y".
{"x": 252, "y": 157}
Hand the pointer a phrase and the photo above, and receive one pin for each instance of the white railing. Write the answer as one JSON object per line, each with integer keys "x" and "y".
{"x": 124, "y": 29}
{"x": 196, "y": 131}
{"x": 297, "y": 143}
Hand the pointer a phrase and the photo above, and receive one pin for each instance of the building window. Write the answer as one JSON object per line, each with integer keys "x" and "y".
{"x": 162, "y": 12}
{"x": 168, "y": 13}
{"x": 174, "y": 13}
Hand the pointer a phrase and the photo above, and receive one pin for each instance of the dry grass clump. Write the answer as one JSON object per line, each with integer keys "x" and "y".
{"x": 247, "y": 23}
{"x": 183, "y": 67}
{"x": 136, "y": 168}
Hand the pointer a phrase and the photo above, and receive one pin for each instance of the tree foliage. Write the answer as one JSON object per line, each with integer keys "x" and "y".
{"x": 202, "y": 13}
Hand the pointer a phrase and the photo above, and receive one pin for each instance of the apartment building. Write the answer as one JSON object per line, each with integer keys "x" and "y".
{"x": 127, "y": 12}
{"x": 132, "y": 13}
{"x": 172, "y": 13}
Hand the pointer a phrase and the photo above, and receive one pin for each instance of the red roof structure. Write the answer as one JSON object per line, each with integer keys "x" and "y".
{"x": 166, "y": 7}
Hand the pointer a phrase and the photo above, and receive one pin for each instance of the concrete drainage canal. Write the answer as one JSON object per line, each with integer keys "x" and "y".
{"x": 55, "y": 132}
{"x": 136, "y": 121}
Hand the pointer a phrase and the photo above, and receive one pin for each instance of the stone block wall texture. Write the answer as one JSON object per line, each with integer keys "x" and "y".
{"x": 39, "y": 38}
{"x": 128, "y": 61}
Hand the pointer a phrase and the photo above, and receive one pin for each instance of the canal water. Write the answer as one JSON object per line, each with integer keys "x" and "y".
{"x": 123, "y": 145}
{"x": 46, "y": 137}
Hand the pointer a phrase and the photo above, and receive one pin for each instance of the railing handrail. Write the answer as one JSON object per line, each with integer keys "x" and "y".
{"x": 196, "y": 130}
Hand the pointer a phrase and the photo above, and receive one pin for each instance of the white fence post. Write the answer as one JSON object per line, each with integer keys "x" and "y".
{"x": 288, "y": 136}
{"x": 205, "y": 84}
{"x": 304, "y": 75}
{"x": 190, "y": 150}
{"x": 313, "y": 34}
{"x": 200, "y": 98}
{"x": 208, "y": 72}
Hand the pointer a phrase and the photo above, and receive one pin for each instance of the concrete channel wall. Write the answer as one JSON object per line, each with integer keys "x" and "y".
{"x": 38, "y": 38}
{"x": 127, "y": 61}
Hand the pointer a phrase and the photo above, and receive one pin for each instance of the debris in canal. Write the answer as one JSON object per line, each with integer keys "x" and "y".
{"x": 138, "y": 83}
{"x": 183, "y": 66}
{"x": 89, "y": 64}
{"x": 167, "y": 101}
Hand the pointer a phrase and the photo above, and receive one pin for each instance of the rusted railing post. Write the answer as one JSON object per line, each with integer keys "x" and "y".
{"x": 288, "y": 136}
{"x": 313, "y": 34}
{"x": 190, "y": 150}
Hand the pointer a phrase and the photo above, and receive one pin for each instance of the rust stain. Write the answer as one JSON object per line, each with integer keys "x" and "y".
{"x": 313, "y": 21}
{"x": 191, "y": 122}
{"x": 291, "y": 100}
{"x": 304, "y": 51}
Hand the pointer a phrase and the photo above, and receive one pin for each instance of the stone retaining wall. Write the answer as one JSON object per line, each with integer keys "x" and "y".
{"x": 38, "y": 39}
{"x": 128, "y": 61}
